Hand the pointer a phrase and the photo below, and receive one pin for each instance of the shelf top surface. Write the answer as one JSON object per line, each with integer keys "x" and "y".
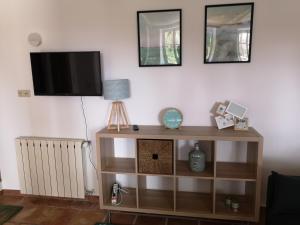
{"x": 184, "y": 132}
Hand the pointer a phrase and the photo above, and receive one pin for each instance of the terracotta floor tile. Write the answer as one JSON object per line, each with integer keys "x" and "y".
{"x": 44, "y": 215}
{"x": 149, "y": 220}
{"x": 63, "y": 203}
{"x": 40, "y": 201}
{"x": 10, "y": 223}
{"x": 85, "y": 205}
{"x": 64, "y": 218}
{"x": 87, "y": 218}
{"x": 11, "y": 200}
{"x": 24, "y": 224}
{"x": 27, "y": 224}
{"x": 122, "y": 218}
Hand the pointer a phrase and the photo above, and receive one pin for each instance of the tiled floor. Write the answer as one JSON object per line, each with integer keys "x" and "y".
{"x": 41, "y": 211}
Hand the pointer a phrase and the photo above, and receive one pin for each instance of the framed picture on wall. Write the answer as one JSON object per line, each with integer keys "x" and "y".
{"x": 159, "y": 37}
{"x": 228, "y": 33}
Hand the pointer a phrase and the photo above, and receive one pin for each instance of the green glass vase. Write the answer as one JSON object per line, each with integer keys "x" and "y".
{"x": 197, "y": 159}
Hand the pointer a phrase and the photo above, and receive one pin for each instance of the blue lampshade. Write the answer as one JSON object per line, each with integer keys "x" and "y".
{"x": 116, "y": 89}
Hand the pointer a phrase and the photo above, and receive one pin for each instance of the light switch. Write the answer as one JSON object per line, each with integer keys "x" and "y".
{"x": 24, "y": 93}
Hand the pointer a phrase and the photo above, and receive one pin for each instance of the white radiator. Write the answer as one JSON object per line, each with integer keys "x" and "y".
{"x": 50, "y": 167}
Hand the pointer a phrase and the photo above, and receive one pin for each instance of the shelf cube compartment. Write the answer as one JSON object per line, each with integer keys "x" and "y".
{"x": 242, "y": 192}
{"x": 194, "y": 195}
{"x": 127, "y": 182}
{"x": 183, "y": 148}
{"x": 118, "y": 155}
{"x": 236, "y": 160}
{"x": 156, "y": 192}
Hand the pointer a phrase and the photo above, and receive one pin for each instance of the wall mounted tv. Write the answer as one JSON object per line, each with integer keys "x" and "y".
{"x": 66, "y": 73}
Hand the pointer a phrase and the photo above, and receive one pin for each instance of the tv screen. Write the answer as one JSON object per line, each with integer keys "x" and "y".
{"x": 66, "y": 73}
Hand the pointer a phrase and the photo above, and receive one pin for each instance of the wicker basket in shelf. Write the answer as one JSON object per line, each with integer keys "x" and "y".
{"x": 155, "y": 156}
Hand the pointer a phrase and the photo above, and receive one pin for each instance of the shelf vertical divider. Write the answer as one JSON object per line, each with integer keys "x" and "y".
{"x": 214, "y": 162}
{"x": 103, "y": 144}
{"x": 252, "y": 160}
{"x": 99, "y": 170}
{"x": 259, "y": 178}
{"x": 136, "y": 174}
{"x": 174, "y": 173}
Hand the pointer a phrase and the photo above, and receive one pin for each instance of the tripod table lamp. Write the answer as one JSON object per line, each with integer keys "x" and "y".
{"x": 117, "y": 90}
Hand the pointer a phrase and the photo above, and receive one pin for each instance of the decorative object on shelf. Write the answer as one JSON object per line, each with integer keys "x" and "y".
{"x": 159, "y": 37}
{"x": 228, "y": 33}
{"x": 228, "y": 116}
{"x": 117, "y": 90}
{"x": 172, "y": 118}
{"x": 241, "y": 124}
{"x": 197, "y": 159}
{"x": 221, "y": 109}
{"x": 135, "y": 127}
{"x": 228, "y": 202}
{"x": 235, "y": 206}
{"x": 116, "y": 194}
{"x": 155, "y": 156}
{"x": 224, "y": 121}
{"x": 34, "y": 39}
{"x": 236, "y": 110}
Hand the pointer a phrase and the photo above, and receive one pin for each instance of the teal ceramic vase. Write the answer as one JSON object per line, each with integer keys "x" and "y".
{"x": 197, "y": 159}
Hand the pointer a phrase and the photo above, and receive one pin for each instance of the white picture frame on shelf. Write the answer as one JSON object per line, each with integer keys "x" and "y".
{"x": 241, "y": 124}
{"x": 224, "y": 121}
{"x": 237, "y": 110}
{"x": 221, "y": 109}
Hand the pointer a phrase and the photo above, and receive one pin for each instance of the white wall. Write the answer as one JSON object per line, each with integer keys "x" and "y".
{"x": 269, "y": 85}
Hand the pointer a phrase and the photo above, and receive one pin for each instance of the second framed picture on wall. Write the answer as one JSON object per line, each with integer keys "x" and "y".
{"x": 159, "y": 37}
{"x": 228, "y": 33}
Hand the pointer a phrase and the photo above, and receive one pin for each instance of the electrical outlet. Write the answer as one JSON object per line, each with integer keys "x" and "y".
{"x": 24, "y": 93}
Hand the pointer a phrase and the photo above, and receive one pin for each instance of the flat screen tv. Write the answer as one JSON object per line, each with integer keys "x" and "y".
{"x": 66, "y": 73}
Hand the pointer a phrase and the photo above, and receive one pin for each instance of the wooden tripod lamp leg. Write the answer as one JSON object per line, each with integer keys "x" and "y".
{"x": 110, "y": 117}
{"x": 118, "y": 117}
{"x": 124, "y": 115}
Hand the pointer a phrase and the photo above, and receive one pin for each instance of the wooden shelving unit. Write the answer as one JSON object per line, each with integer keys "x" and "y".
{"x": 172, "y": 198}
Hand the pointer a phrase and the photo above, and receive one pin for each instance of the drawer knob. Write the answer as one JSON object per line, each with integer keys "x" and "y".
{"x": 155, "y": 156}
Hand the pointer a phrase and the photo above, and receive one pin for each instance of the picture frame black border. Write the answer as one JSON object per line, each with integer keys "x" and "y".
{"x": 251, "y": 32}
{"x": 139, "y": 42}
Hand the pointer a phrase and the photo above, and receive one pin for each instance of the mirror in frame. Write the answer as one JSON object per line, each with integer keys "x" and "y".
{"x": 228, "y": 33}
{"x": 159, "y": 37}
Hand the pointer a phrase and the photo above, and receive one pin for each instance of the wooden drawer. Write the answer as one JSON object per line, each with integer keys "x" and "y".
{"x": 155, "y": 156}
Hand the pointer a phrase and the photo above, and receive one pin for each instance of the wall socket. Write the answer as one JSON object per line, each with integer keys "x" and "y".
{"x": 24, "y": 93}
